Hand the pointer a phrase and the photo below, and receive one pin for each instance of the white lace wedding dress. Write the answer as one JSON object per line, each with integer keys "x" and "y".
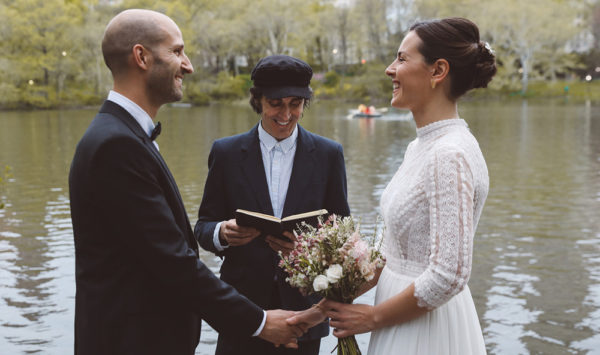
{"x": 431, "y": 208}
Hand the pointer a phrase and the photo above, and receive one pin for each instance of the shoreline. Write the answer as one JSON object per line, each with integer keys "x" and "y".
{"x": 568, "y": 92}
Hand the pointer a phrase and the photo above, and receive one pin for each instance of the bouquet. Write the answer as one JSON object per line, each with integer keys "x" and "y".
{"x": 333, "y": 261}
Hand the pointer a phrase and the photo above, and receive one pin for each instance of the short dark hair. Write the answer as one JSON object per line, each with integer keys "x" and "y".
{"x": 256, "y": 95}
{"x": 455, "y": 39}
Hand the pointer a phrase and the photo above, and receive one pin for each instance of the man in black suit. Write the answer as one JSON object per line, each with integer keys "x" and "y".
{"x": 140, "y": 287}
{"x": 277, "y": 168}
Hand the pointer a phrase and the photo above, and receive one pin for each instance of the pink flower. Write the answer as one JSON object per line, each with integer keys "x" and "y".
{"x": 360, "y": 250}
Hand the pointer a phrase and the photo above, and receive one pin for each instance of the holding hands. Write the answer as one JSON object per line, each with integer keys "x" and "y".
{"x": 346, "y": 319}
{"x": 278, "y": 331}
{"x": 309, "y": 317}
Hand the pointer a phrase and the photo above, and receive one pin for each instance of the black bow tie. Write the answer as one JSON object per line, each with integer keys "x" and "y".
{"x": 155, "y": 131}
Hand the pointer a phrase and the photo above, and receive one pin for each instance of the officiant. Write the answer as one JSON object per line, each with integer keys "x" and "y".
{"x": 277, "y": 168}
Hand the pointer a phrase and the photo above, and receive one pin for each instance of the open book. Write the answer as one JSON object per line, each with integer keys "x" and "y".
{"x": 271, "y": 225}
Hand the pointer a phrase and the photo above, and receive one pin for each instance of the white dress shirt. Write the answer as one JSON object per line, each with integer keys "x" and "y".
{"x": 141, "y": 116}
{"x": 278, "y": 160}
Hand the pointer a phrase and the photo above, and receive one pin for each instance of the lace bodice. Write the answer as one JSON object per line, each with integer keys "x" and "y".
{"x": 431, "y": 208}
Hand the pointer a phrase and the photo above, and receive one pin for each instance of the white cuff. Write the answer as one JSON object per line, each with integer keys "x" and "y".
{"x": 262, "y": 325}
{"x": 216, "y": 240}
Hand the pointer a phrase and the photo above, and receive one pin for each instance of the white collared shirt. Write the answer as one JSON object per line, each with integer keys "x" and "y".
{"x": 141, "y": 116}
{"x": 278, "y": 160}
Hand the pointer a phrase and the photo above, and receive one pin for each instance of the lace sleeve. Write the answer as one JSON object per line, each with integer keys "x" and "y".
{"x": 449, "y": 191}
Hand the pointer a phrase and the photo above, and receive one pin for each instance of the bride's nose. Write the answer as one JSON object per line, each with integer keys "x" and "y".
{"x": 391, "y": 69}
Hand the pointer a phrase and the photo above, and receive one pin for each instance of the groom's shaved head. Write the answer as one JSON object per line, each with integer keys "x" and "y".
{"x": 127, "y": 29}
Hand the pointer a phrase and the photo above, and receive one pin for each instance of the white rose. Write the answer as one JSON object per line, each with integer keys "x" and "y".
{"x": 320, "y": 283}
{"x": 334, "y": 273}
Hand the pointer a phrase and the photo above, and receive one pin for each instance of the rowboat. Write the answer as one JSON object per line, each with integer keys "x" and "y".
{"x": 358, "y": 114}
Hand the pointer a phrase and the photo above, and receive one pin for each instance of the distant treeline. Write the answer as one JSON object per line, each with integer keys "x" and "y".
{"x": 50, "y": 50}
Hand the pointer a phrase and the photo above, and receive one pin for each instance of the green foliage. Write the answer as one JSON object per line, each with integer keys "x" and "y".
{"x": 366, "y": 83}
{"x": 51, "y": 56}
{"x": 535, "y": 34}
{"x": 196, "y": 94}
{"x": 229, "y": 87}
{"x": 223, "y": 87}
{"x": 578, "y": 90}
{"x": 331, "y": 80}
{"x": 9, "y": 95}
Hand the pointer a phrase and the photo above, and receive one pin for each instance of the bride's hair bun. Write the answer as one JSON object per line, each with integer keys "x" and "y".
{"x": 485, "y": 67}
{"x": 472, "y": 61}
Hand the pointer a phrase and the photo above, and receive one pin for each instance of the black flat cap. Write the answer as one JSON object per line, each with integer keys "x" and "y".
{"x": 281, "y": 76}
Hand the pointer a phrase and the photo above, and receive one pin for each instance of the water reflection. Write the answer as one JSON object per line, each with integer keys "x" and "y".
{"x": 539, "y": 207}
{"x": 37, "y": 274}
{"x": 536, "y": 277}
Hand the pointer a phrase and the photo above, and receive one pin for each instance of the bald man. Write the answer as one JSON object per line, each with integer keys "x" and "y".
{"x": 140, "y": 287}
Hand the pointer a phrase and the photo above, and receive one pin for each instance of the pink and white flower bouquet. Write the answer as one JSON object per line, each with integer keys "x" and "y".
{"x": 334, "y": 261}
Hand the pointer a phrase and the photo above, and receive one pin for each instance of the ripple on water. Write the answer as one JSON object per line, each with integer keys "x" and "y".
{"x": 544, "y": 171}
{"x": 8, "y": 234}
{"x": 591, "y": 344}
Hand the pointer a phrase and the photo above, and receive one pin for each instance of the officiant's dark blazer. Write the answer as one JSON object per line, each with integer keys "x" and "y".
{"x": 236, "y": 179}
{"x": 140, "y": 287}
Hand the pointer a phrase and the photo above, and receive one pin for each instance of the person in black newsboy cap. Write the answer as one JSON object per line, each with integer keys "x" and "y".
{"x": 279, "y": 76}
{"x": 277, "y": 168}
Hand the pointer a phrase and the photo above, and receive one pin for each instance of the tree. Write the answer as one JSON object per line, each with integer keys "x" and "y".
{"x": 93, "y": 79}
{"x": 371, "y": 14}
{"x": 280, "y": 24}
{"x": 525, "y": 29}
{"x": 37, "y": 47}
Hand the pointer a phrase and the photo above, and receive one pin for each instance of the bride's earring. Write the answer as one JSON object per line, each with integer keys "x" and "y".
{"x": 433, "y": 83}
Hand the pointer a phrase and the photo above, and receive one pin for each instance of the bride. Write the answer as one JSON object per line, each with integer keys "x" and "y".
{"x": 432, "y": 205}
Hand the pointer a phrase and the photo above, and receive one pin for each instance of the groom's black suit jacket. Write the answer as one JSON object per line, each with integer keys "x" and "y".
{"x": 140, "y": 287}
{"x": 236, "y": 179}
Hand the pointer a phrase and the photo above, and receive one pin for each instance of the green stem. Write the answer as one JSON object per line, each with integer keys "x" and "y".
{"x": 348, "y": 346}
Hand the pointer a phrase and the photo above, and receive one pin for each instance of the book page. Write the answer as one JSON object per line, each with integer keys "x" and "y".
{"x": 305, "y": 215}
{"x": 260, "y": 215}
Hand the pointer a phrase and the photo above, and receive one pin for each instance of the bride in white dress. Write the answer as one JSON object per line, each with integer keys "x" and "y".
{"x": 432, "y": 205}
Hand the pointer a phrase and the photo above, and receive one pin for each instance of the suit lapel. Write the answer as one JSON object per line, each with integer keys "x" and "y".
{"x": 254, "y": 171}
{"x": 122, "y": 114}
{"x": 130, "y": 122}
{"x": 304, "y": 165}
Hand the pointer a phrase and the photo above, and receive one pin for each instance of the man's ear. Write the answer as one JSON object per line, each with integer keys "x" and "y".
{"x": 440, "y": 70}
{"x": 141, "y": 56}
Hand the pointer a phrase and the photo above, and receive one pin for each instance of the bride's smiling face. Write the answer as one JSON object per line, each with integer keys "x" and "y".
{"x": 410, "y": 75}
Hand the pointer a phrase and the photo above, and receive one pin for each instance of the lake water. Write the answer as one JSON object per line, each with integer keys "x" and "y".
{"x": 536, "y": 266}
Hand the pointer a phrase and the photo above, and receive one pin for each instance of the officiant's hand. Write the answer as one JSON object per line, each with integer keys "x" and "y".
{"x": 278, "y": 331}
{"x": 280, "y": 245}
{"x": 235, "y": 235}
